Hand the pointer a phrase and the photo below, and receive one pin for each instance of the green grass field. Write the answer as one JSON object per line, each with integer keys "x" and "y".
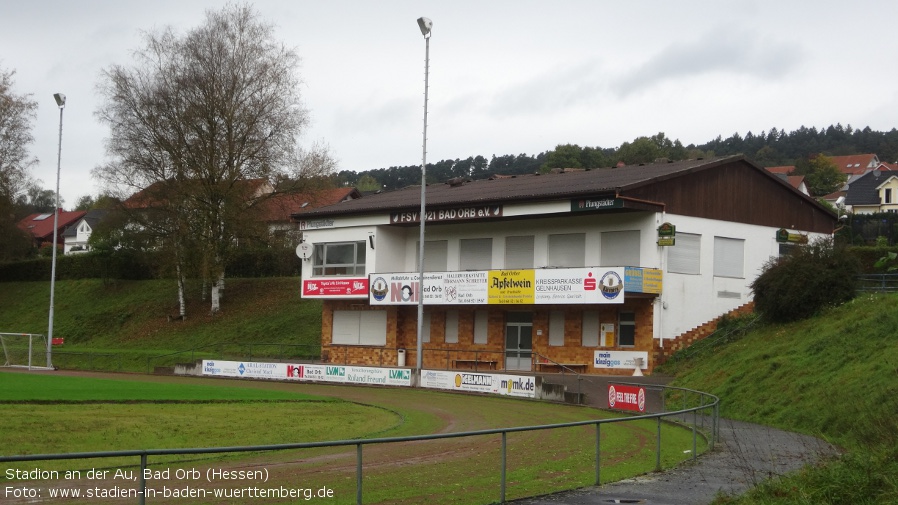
{"x": 51, "y": 412}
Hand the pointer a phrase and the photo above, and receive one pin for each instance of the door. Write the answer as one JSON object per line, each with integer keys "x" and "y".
{"x": 518, "y": 340}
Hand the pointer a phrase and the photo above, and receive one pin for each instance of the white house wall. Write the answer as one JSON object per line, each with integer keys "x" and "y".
{"x": 687, "y": 300}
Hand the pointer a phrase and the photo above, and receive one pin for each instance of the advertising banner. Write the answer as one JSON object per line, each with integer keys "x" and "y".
{"x": 620, "y": 359}
{"x": 335, "y": 288}
{"x": 305, "y": 372}
{"x": 623, "y": 397}
{"x": 500, "y": 384}
{"x": 501, "y": 287}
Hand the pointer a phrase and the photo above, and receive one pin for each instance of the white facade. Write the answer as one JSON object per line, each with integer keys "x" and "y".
{"x": 713, "y": 263}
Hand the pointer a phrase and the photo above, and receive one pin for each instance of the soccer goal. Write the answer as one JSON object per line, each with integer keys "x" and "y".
{"x": 25, "y": 350}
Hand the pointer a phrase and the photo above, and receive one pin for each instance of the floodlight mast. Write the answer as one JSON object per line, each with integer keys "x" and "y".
{"x": 60, "y": 101}
{"x": 425, "y": 24}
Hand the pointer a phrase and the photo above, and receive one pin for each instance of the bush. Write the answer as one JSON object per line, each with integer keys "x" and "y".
{"x": 797, "y": 286}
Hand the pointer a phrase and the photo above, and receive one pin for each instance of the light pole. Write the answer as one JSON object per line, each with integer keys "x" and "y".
{"x": 425, "y": 24}
{"x": 60, "y": 101}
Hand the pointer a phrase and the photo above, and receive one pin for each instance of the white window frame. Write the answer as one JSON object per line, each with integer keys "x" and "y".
{"x": 475, "y": 254}
{"x": 686, "y": 256}
{"x": 519, "y": 252}
{"x": 729, "y": 257}
{"x": 320, "y": 266}
{"x": 567, "y": 250}
{"x": 590, "y": 329}
{"x": 556, "y": 328}
{"x": 359, "y": 327}
{"x": 620, "y": 248}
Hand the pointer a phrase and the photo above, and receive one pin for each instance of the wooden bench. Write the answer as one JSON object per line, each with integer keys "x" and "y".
{"x": 472, "y": 363}
{"x": 581, "y": 367}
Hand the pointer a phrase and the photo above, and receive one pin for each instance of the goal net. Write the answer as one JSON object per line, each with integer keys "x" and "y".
{"x": 25, "y": 350}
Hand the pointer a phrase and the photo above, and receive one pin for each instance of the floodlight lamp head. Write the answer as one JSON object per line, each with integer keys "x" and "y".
{"x": 425, "y": 24}
{"x": 60, "y": 99}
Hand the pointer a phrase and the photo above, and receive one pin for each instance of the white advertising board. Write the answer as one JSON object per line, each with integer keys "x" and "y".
{"x": 620, "y": 359}
{"x": 500, "y": 287}
{"x": 500, "y": 384}
{"x": 318, "y": 373}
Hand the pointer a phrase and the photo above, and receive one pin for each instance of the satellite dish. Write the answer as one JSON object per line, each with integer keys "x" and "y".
{"x": 304, "y": 250}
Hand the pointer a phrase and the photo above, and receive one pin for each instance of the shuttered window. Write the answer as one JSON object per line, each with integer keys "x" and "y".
{"x": 567, "y": 250}
{"x": 685, "y": 257}
{"x": 590, "y": 337}
{"x": 360, "y": 327}
{"x": 475, "y": 254}
{"x": 519, "y": 252}
{"x": 729, "y": 257}
{"x": 556, "y": 328}
{"x": 481, "y": 320}
{"x": 620, "y": 248}
{"x": 435, "y": 253}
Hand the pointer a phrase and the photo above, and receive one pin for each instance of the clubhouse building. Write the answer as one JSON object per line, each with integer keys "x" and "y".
{"x": 596, "y": 271}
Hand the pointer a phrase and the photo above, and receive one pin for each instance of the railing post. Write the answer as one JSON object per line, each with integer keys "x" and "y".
{"x": 502, "y": 481}
{"x": 358, "y": 475}
{"x": 658, "y": 444}
{"x": 598, "y": 454}
{"x": 143, "y": 481}
{"x": 694, "y": 423}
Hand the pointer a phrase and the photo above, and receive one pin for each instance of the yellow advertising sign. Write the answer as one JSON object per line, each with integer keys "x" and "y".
{"x": 511, "y": 287}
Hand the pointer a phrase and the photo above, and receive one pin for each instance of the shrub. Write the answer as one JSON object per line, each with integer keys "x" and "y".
{"x": 797, "y": 286}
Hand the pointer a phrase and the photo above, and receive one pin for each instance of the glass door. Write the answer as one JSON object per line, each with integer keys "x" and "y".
{"x": 518, "y": 341}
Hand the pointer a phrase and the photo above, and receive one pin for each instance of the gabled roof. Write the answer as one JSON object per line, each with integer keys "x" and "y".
{"x": 784, "y": 169}
{"x": 692, "y": 187}
{"x": 280, "y": 207}
{"x": 863, "y": 190}
{"x": 92, "y": 218}
{"x": 40, "y": 226}
{"x": 856, "y": 163}
{"x": 155, "y": 193}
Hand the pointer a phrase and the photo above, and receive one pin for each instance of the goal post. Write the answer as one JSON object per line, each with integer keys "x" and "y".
{"x": 25, "y": 350}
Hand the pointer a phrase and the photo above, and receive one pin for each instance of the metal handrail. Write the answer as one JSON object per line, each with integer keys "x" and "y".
{"x": 713, "y": 405}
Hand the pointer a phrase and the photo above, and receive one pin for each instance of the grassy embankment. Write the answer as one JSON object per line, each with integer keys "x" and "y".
{"x": 833, "y": 376}
{"x": 120, "y": 325}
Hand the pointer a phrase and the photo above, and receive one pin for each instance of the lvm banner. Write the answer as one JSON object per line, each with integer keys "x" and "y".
{"x": 313, "y": 373}
{"x": 500, "y": 384}
{"x": 500, "y": 287}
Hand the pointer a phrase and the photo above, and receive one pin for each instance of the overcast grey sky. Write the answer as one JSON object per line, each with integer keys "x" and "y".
{"x": 507, "y": 77}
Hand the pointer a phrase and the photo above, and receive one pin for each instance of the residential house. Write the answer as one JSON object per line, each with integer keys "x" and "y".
{"x": 596, "y": 270}
{"x": 278, "y": 209}
{"x": 77, "y": 236}
{"x": 40, "y": 226}
{"x": 875, "y": 191}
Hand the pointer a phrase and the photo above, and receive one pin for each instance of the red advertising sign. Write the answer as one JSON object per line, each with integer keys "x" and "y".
{"x": 335, "y": 288}
{"x": 626, "y": 397}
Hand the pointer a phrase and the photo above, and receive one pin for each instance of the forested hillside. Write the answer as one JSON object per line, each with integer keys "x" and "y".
{"x": 766, "y": 148}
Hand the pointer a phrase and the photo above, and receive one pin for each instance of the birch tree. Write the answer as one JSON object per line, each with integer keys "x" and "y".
{"x": 214, "y": 114}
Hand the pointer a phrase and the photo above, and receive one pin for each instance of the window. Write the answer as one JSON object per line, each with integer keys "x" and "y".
{"x": 685, "y": 257}
{"x": 360, "y": 327}
{"x": 567, "y": 250}
{"x": 519, "y": 252}
{"x": 556, "y": 328}
{"x": 481, "y": 320}
{"x": 729, "y": 254}
{"x": 887, "y": 195}
{"x": 620, "y": 248}
{"x": 339, "y": 258}
{"x": 425, "y": 326}
{"x": 434, "y": 255}
{"x": 475, "y": 254}
{"x": 451, "y": 326}
{"x": 627, "y": 329}
{"x": 590, "y": 337}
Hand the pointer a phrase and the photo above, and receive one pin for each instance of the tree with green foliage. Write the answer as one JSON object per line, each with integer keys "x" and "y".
{"x": 812, "y": 277}
{"x": 821, "y": 175}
